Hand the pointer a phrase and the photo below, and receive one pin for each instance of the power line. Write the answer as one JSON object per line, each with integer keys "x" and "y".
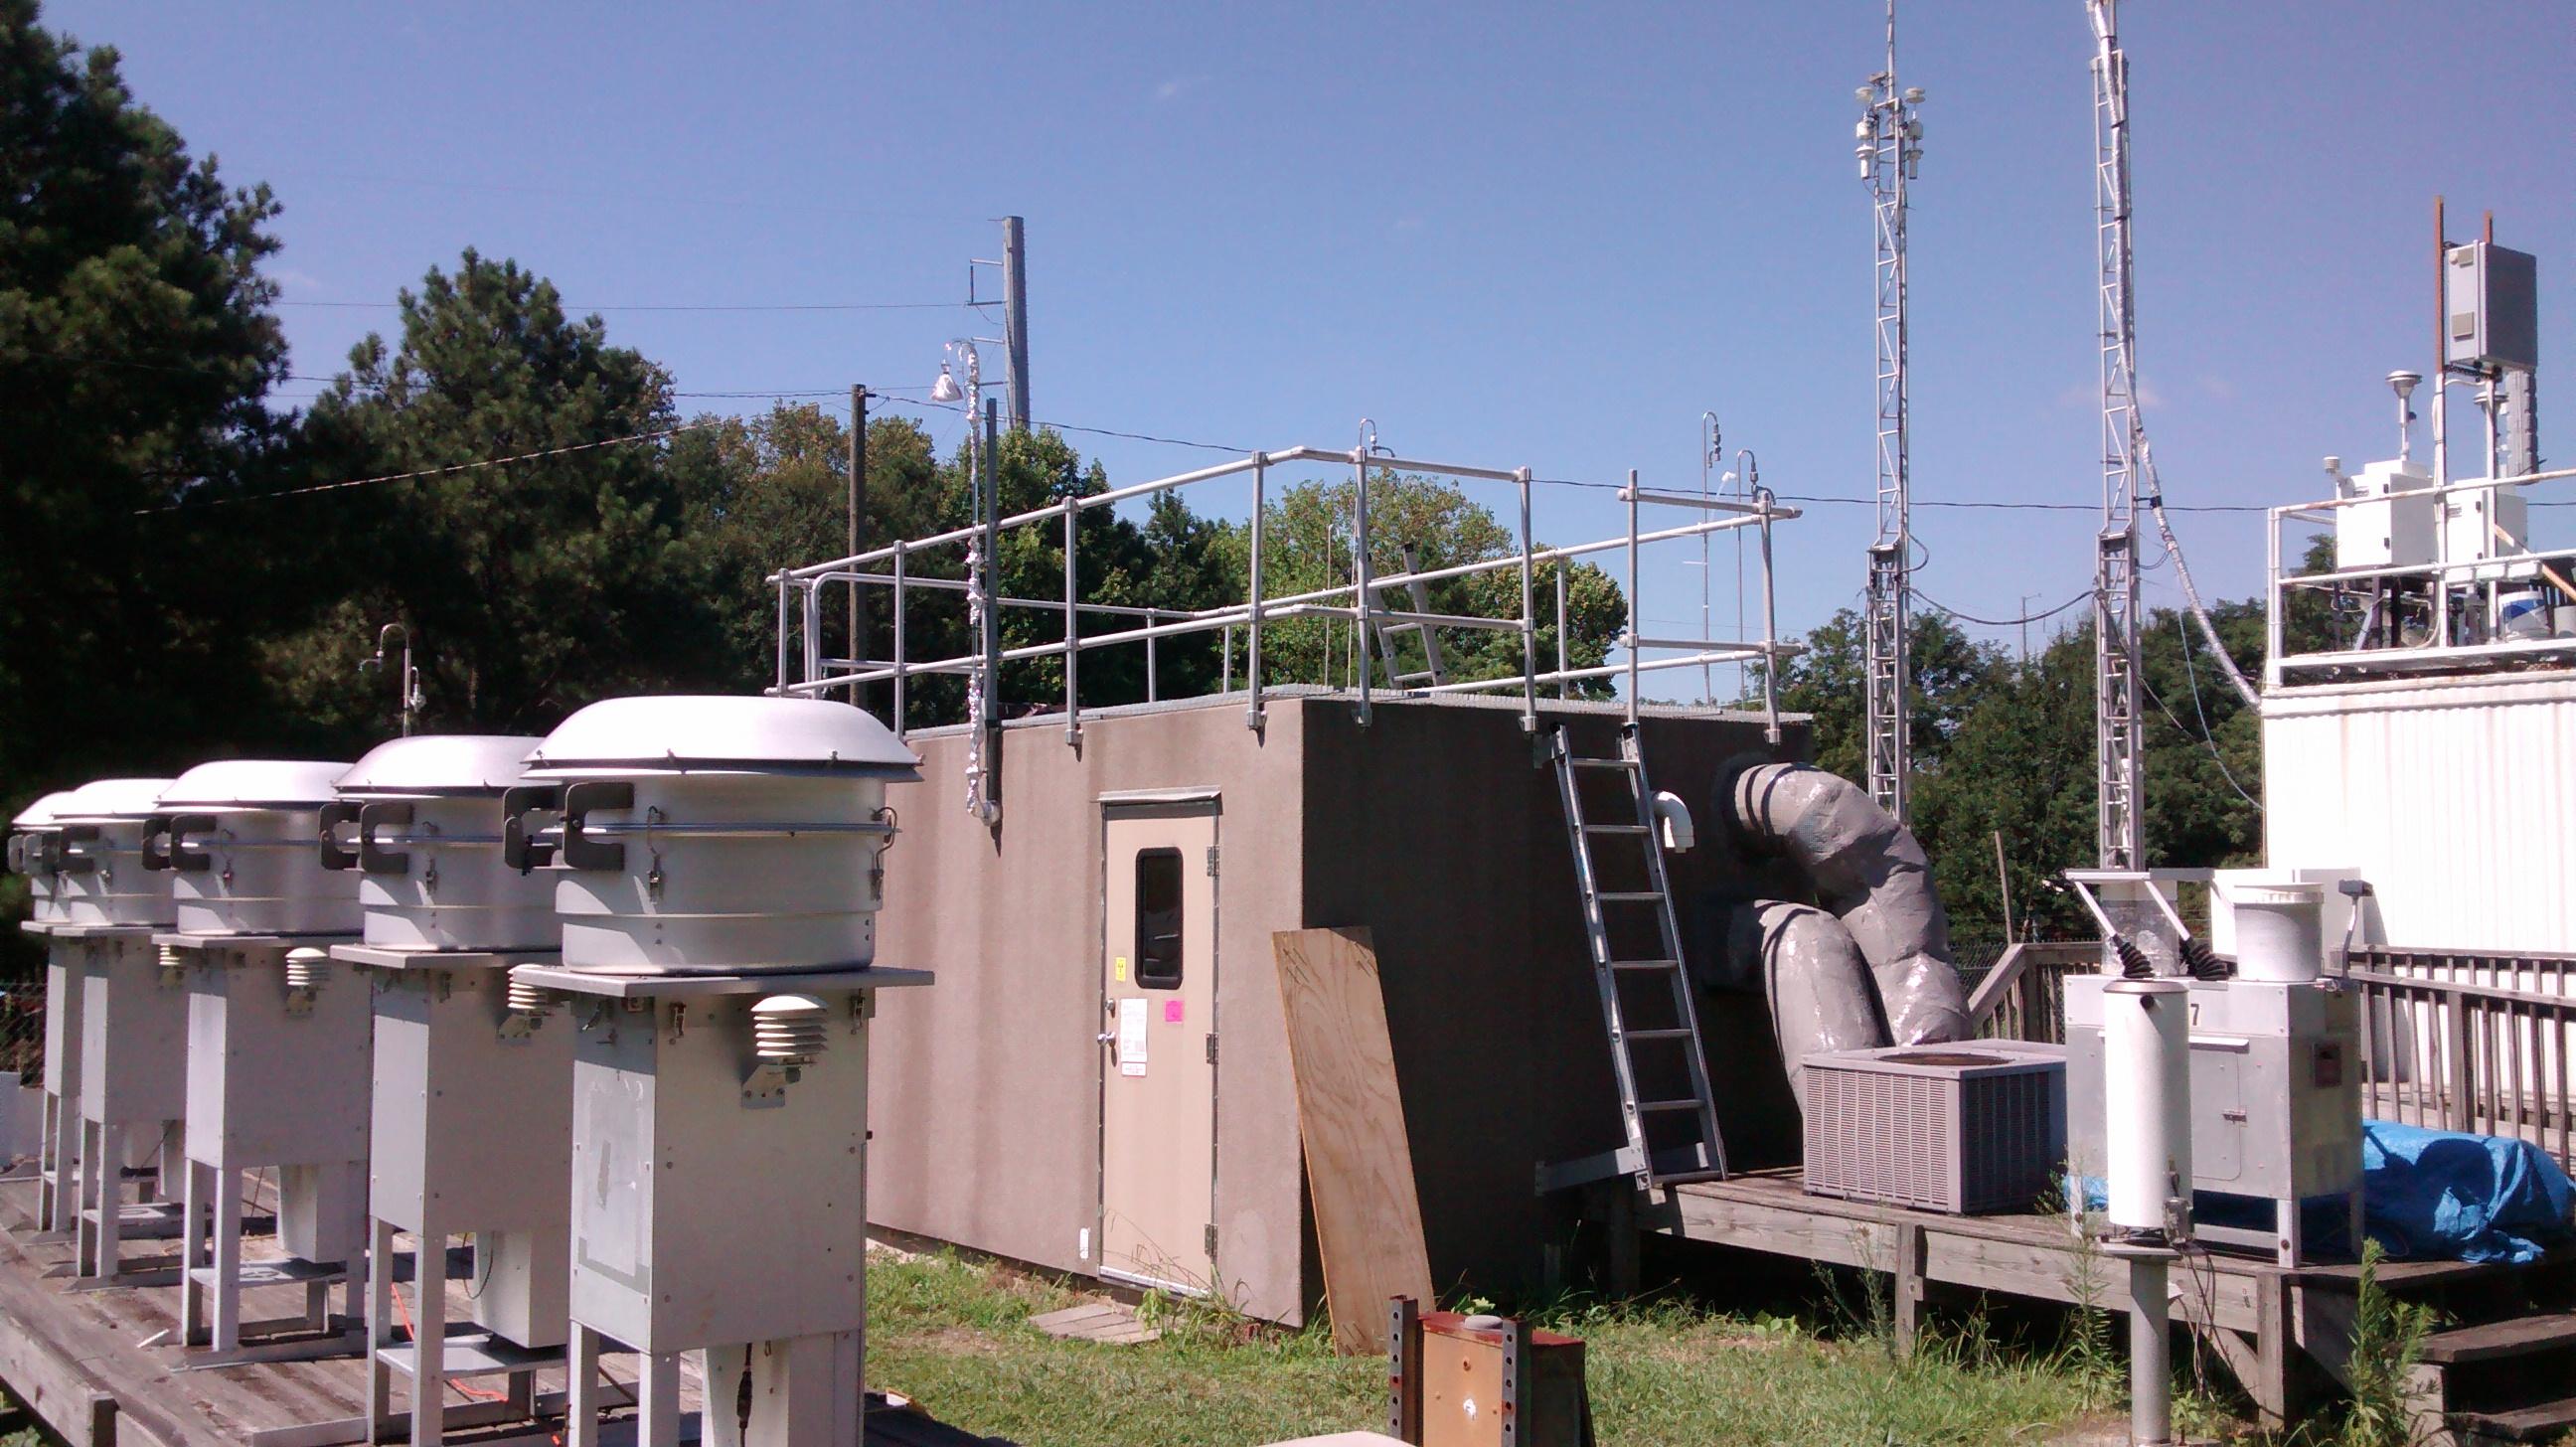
{"x": 2207, "y": 742}
{"x": 1939, "y": 607}
{"x": 2208, "y": 734}
{"x": 488, "y": 462}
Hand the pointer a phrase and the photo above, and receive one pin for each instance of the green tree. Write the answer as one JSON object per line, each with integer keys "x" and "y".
{"x": 531, "y": 589}
{"x": 136, "y": 342}
{"x": 771, "y": 491}
{"x": 1952, "y": 675}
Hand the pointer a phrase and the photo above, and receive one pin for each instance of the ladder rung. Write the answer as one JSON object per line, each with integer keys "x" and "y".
{"x": 1626, "y": 764}
{"x": 1631, "y": 896}
{"x": 1615, "y": 829}
{"x": 1665, "y": 1107}
{"x": 1645, "y": 964}
{"x": 1661, "y": 1034}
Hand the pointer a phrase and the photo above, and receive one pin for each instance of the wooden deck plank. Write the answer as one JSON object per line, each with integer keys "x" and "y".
{"x": 2031, "y": 1254}
{"x": 69, "y": 1342}
{"x": 77, "y": 1359}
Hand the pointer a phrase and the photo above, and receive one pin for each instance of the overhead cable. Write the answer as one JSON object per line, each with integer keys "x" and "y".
{"x": 483, "y": 463}
{"x": 1938, "y": 607}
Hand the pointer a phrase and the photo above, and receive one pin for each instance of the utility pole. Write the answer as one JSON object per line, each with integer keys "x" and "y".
{"x": 858, "y": 510}
{"x": 2119, "y": 770}
{"x": 1890, "y": 152}
{"x": 1015, "y": 315}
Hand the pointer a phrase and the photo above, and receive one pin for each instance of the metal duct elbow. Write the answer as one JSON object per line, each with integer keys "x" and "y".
{"x": 1871, "y": 874}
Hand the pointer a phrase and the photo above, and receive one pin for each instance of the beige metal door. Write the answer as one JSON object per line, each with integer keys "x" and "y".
{"x": 1158, "y": 1071}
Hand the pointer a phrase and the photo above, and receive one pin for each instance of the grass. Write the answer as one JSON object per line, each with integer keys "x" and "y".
{"x": 954, "y": 1335}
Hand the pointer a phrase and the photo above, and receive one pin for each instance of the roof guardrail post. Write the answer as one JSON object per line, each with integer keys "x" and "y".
{"x": 1252, "y": 718}
{"x": 901, "y": 671}
{"x": 2275, "y": 600}
{"x": 1564, "y": 682}
{"x": 782, "y": 635}
{"x": 1770, "y": 628}
{"x": 1360, "y": 563}
{"x": 1073, "y": 634}
{"x": 1529, "y": 614}
{"x": 1629, "y": 494}
{"x": 813, "y": 631}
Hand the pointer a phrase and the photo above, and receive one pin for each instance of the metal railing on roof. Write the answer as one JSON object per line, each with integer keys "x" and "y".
{"x": 2446, "y": 611}
{"x": 804, "y": 669}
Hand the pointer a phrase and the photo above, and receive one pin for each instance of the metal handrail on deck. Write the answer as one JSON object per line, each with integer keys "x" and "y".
{"x": 2023, "y": 997}
{"x": 806, "y": 671}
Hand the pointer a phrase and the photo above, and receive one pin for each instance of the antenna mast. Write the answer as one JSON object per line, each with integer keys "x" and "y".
{"x": 2116, "y": 648}
{"x": 1890, "y": 152}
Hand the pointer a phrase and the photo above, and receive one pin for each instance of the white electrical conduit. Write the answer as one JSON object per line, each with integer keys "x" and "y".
{"x": 2182, "y": 571}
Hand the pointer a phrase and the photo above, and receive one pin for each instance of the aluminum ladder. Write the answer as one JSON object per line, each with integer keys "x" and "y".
{"x": 1433, "y": 672}
{"x": 1673, "y": 1139}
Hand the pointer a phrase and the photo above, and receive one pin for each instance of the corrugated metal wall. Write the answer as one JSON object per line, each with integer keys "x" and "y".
{"x": 2455, "y": 798}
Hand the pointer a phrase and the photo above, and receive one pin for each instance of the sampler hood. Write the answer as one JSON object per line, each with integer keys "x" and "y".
{"x": 280, "y": 784}
{"x": 685, "y": 734}
{"x": 105, "y": 800}
{"x": 428, "y": 766}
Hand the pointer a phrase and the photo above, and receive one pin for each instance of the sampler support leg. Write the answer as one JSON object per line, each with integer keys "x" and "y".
{"x": 227, "y": 1289}
{"x": 581, "y": 1388}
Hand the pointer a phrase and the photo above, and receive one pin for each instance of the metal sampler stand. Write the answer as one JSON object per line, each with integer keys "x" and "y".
{"x": 472, "y": 1133}
{"x": 133, "y": 1063}
{"x": 720, "y": 1195}
{"x": 278, "y": 1076}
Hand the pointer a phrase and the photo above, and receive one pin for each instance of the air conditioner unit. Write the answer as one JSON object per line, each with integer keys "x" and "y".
{"x": 1965, "y": 1128}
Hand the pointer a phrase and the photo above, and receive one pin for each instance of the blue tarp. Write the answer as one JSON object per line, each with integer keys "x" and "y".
{"x": 2448, "y": 1195}
{"x": 2432, "y": 1195}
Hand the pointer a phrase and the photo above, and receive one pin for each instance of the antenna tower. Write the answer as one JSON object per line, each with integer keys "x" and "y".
{"x": 2116, "y": 648}
{"x": 1890, "y": 152}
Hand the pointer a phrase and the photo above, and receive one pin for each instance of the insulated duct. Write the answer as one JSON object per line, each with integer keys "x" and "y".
{"x": 1820, "y": 990}
{"x": 1870, "y": 874}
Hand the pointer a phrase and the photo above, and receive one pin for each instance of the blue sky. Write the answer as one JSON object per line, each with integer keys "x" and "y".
{"x": 1509, "y": 234}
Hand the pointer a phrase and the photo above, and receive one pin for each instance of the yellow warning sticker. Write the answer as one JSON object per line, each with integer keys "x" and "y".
{"x": 1118, "y": 969}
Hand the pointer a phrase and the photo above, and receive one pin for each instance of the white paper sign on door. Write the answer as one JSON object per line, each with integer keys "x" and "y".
{"x": 1131, "y": 1035}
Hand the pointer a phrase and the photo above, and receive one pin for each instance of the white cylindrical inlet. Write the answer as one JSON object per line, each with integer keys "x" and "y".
{"x": 2280, "y": 931}
{"x": 34, "y": 846}
{"x": 719, "y": 835}
{"x": 420, "y": 821}
{"x": 107, "y": 869}
{"x": 2146, "y": 1099}
{"x": 243, "y": 838}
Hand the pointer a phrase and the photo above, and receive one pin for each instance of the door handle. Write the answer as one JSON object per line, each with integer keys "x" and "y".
{"x": 1107, "y": 1037}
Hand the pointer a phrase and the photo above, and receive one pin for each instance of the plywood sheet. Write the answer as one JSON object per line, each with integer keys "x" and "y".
{"x": 1359, "y": 1163}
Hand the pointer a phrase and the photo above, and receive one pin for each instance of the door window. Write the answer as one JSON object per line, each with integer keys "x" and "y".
{"x": 1158, "y": 919}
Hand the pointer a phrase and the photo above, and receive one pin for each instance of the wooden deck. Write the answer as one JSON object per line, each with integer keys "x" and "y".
{"x": 2264, "y": 1320}
{"x": 81, "y": 1362}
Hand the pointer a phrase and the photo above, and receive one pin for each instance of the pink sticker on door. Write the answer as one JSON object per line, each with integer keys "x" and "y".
{"x": 1171, "y": 1012}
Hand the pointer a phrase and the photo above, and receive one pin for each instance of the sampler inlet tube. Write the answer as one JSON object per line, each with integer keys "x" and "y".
{"x": 2146, "y": 1085}
{"x": 2146, "y": 1098}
